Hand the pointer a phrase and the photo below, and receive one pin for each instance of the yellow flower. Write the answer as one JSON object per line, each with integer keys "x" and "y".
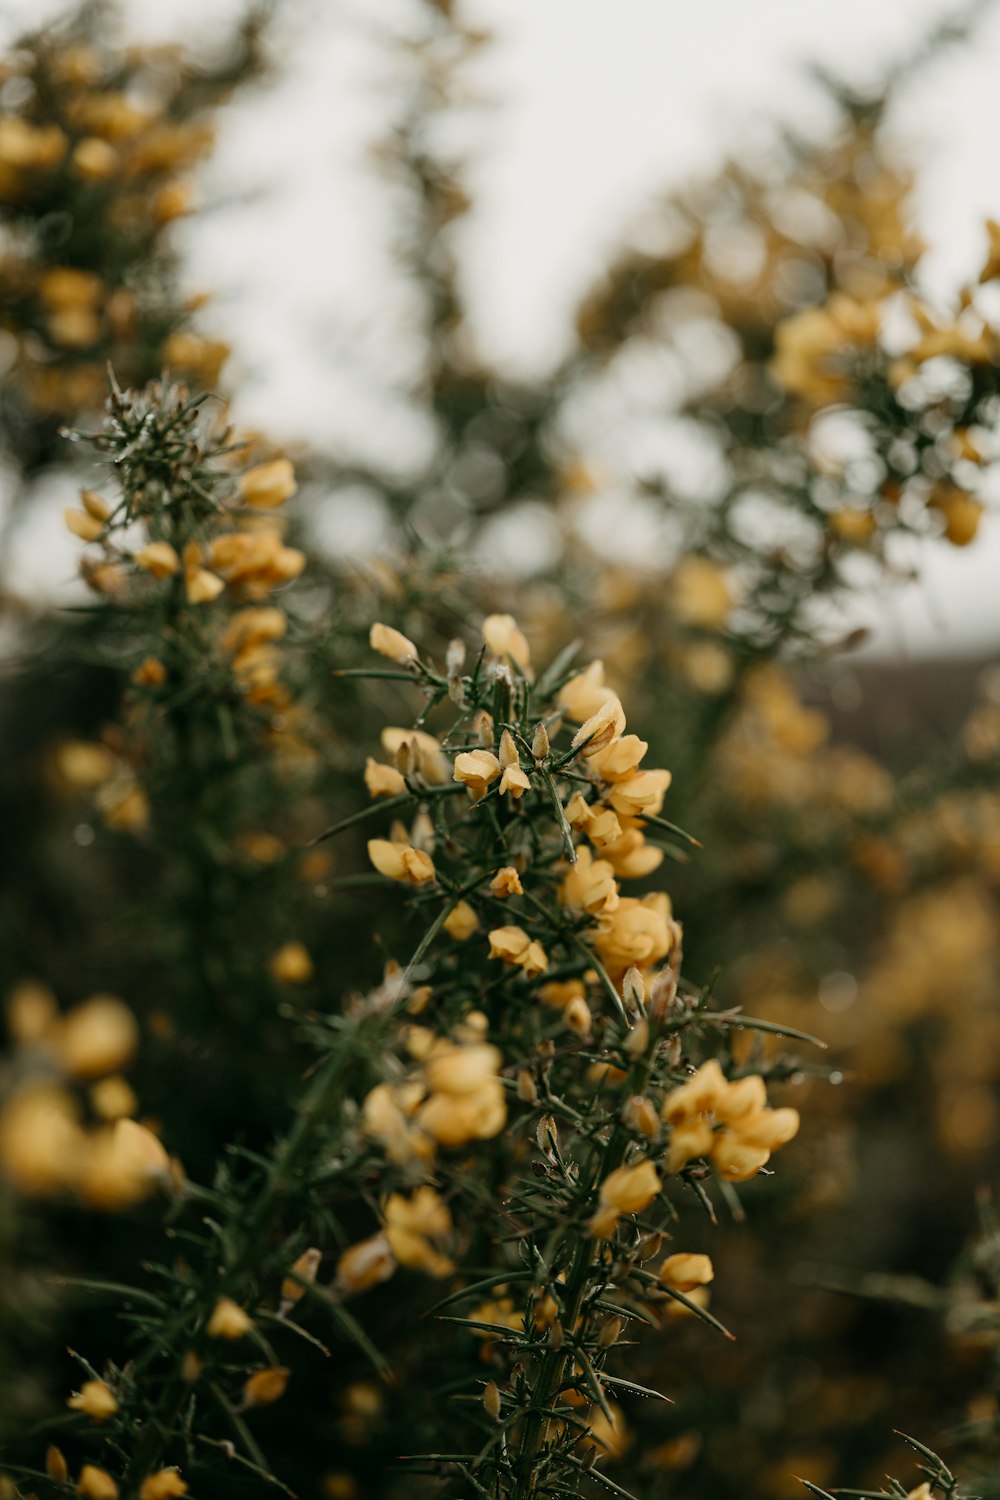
{"x": 364, "y": 1265}
{"x": 633, "y": 932}
{"x": 683, "y": 1272}
{"x": 382, "y": 780}
{"x": 268, "y": 485}
{"x": 506, "y": 882}
{"x": 699, "y": 593}
{"x": 504, "y": 638}
{"x": 122, "y": 1165}
{"x": 640, "y": 794}
{"x": 32, "y": 1013}
{"x": 589, "y": 885}
{"x": 601, "y": 728}
{"x": 401, "y": 861}
{"x": 961, "y": 514}
{"x": 40, "y": 1139}
{"x": 56, "y": 1466}
{"x": 94, "y": 159}
{"x": 626, "y": 1190}
{"x": 430, "y": 760}
{"x": 158, "y": 558}
{"x": 630, "y": 856}
{"x": 228, "y": 1320}
{"x": 165, "y": 1484}
{"x": 96, "y": 1484}
{"x": 292, "y": 964}
{"x": 97, "y": 1037}
{"x": 87, "y": 528}
{"x": 24, "y": 146}
{"x": 253, "y": 627}
{"x": 150, "y": 672}
{"x": 585, "y": 694}
{"x": 619, "y": 759}
{"x": 113, "y": 1099}
{"x": 95, "y": 1399}
{"x": 475, "y": 769}
{"x": 304, "y": 1270}
{"x": 514, "y": 780}
{"x": 392, "y": 643}
{"x": 729, "y": 1122}
{"x": 514, "y": 946}
{"x": 852, "y": 525}
{"x": 412, "y": 1224}
{"x": 467, "y": 1100}
{"x": 264, "y": 1387}
{"x": 461, "y": 922}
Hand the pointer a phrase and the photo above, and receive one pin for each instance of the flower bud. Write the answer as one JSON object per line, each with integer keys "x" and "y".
{"x": 95, "y": 1399}
{"x": 228, "y": 1320}
{"x": 392, "y": 643}
{"x": 491, "y": 1400}
{"x": 540, "y": 743}
{"x": 266, "y": 1386}
{"x": 56, "y": 1466}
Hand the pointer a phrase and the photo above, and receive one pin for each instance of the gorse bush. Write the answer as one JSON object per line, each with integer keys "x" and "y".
{"x": 362, "y": 1131}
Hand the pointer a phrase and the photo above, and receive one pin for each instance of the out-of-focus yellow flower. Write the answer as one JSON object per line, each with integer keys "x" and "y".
{"x": 504, "y": 638}
{"x": 585, "y": 694}
{"x": 461, "y": 922}
{"x": 699, "y": 593}
{"x": 97, "y": 1037}
{"x": 56, "y": 1466}
{"x": 253, "y": 627}
{"x": 264, "y": 1387}
{"x": 514, "y": 946}
{"x": 200, "y": 585}
{"x": 961, "y": 513}
{"x": 476, "y": 769}
{"x": 268, "y": 485}
{"x": 854, "y": 526}
{"x": 24, "y": 147}
{"x": 83, "y": 765}
{"x": 429, "y": 759}
{"x": 95, "y": 1399}
{"x": 626, "y": 1190}
{"x": 304, "y": 1270}
{"x": 292, "y": 964}
{"x": 96, "y": 1484}
{"x": 411, "y": 1227}
{"x": 364, "y": 1265}
{"x": 228, "y": 1320}
{"x": 94, "y": 159}
{"x": 113, "y": 1099}
{"x": 467, "y": 1101}
{"x": 150, "y": 673}
{"x": 41, "y": 1141}
{"x": 392, "y": 643}
{"x": 122, "y": 1164}
{"x": 158, "y": 558}
{"x": 165, "y": 1484}
{"x": 401, "y": 861}
{"x": 82, "y": 525}
{"x": 32, "y": 1013}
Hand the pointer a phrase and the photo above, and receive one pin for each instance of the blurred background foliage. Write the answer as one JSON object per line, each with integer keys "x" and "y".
{"x": 768, "y": 324}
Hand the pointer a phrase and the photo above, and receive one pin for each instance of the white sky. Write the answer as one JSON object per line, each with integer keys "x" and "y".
{"x": 598, "y": 104}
